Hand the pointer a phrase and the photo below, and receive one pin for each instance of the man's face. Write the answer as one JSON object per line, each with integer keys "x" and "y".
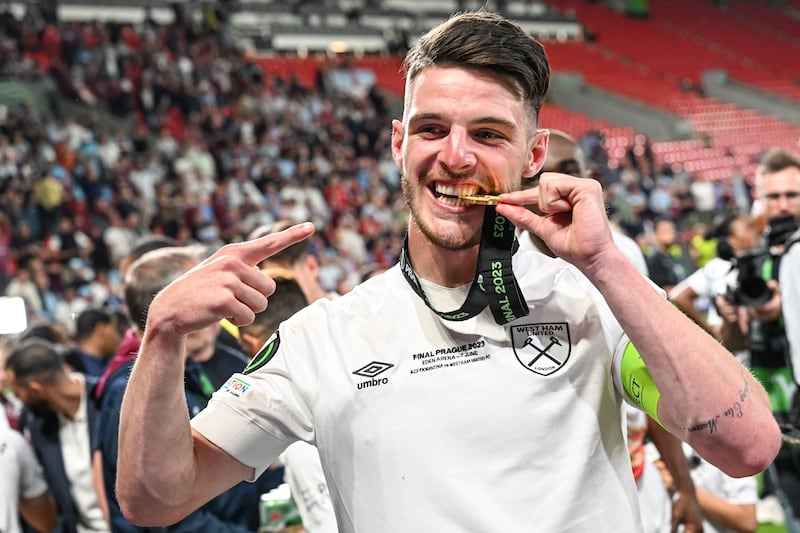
{"x": 200, "y": 344}
{"x": 29, "y": 393}
{"x": 111, "y": 337}
{"x": 463, "y": 132}
{"x": 780, "y": 193}
{"x": 744, "y": 235}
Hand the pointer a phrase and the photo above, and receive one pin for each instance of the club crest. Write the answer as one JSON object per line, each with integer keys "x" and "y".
{"x": 542, "y": 348}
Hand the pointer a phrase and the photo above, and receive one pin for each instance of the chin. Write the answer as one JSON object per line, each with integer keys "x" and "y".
{"x": 450, "y": 238}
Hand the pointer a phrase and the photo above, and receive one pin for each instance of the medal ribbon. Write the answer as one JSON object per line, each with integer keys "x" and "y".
{"x": 504, "y": 297}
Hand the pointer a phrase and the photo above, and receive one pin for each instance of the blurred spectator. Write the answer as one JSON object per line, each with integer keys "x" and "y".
{"x": 666, "y": 258}
{"x": 97, "y": 339}
{"x": 235, "y": 511}
{"x": 60, "y": 419}
{"x": 24, "y": 490}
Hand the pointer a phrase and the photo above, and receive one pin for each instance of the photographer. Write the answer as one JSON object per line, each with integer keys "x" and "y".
{"x": 766, "y": 281}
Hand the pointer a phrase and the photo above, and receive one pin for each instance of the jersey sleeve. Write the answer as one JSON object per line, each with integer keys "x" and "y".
{"x": 256, "y": 414}
{"x": 32, "y": 482}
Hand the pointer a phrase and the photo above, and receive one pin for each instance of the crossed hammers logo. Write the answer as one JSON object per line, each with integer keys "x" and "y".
{"x": 542, "y": 351}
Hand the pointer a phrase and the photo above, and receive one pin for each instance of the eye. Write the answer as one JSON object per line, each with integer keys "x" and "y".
{"x": 489, "y": 135}
{"x": 431, "y": 130}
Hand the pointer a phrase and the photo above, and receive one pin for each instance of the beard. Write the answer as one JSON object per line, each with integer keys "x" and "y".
{"x": 39, "y": 408}
{"x": 446, "y": 240}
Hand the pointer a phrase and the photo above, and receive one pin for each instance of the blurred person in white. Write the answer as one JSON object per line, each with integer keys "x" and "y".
{"x": 695, "y": 295}
{"x": 511, "y": 435}
{"x": 23, "y": 491}
{"x": 728, "y": 504}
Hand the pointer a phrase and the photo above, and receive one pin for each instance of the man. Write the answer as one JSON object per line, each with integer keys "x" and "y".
{"x": 665, "y": 258}
{"x": 296, "y": 259}
{"x": 428, "y": 419}
{"x": 756, "y": 316}
{"x": 24, "y": 490}
{"x": 565, "y": 156}
{"x": 97, "y": 338}
{"x": 60, "y": 421}
{"x": 778, "y": 185}
{"x": 235, "y": 511}
{"x": 735, "y": 235}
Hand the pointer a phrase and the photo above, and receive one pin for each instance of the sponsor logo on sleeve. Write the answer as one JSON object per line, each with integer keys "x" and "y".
{"x": 236, "y": 386}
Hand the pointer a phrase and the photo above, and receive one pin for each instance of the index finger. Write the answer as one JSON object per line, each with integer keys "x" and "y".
{"x": 521, "y": 197}
{"x": 257, "y": 250}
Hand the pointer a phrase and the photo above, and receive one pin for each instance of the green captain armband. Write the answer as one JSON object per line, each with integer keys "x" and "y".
{"x": 638, "y": 383}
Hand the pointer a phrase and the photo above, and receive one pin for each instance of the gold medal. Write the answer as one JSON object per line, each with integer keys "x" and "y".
{"x": 480, "y": 199}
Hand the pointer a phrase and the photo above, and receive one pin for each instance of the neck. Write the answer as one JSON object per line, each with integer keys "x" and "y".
{"x": 448, "y": 268}
{"x": 91, "y": 350}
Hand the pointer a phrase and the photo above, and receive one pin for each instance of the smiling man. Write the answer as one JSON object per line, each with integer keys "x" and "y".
{"x": 465, "y": 389}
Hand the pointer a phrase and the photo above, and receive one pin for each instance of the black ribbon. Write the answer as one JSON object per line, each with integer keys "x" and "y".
{"x": 493, "y": 270}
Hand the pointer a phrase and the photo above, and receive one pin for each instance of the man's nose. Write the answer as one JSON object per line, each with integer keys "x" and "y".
{"x": 457, "y": 153}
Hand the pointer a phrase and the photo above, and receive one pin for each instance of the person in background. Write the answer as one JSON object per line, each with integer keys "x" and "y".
{"x": 23, "y": 492}
{"x": 97, "y": 338}
{"x": 60, "y": 420}
{"x": 129, "y": 344}
{"x": 735, "y": 235}
{"x": 522, "y": 410}
{"x": 296, "y": 259}
{"x": 665, "y": 257}
{"x": 760, "y": 322}
{"x": 728, "y": 504}
{"x": 565, "y": 155}
{"x": 302, "y": 469}
{"x": 236, "y": 510}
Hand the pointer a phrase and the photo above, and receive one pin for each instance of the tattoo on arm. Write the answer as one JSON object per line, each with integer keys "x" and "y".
{"x": 734, "y": 411}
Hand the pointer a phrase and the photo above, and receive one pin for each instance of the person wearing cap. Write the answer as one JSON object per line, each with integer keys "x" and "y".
{"x": 468, "y": 388}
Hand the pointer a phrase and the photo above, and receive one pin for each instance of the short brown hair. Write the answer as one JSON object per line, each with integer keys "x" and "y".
{"x": 488, "y": 42}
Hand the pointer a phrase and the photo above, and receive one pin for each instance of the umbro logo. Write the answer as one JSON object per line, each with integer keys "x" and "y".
{"x": 372, "y": 370}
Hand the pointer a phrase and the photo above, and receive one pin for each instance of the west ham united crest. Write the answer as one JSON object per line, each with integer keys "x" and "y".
{"x": 542, "y": 348}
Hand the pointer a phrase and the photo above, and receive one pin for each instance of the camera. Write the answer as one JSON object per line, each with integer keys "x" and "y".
{"x": 751, "y": 288}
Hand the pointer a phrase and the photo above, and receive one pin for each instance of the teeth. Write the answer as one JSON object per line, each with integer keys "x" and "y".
{"x": 451, "y": 200}
{"x": 455, "y": 190}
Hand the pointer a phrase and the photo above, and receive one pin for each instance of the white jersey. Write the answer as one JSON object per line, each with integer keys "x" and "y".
{"x": 424, "y": 424}
{"x": 21, "y": 474}
{"x": 629, "y": 248}
{"x": 737, "y": 491}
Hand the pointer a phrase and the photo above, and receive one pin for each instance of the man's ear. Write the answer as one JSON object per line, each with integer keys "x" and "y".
{"x": 251, "y": 343}
{"x": 536, "y": 153}
{"x": 398, "y": 136}
{"x": 37, "y": 388}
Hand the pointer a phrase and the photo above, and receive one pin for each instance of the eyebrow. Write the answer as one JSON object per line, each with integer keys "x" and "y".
{"x": 480, "y": 121}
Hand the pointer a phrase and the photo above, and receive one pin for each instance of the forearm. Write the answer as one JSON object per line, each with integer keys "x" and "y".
{"x": 671, "y": 452}
{"x": 707, "y": 397}
{"x": 155, "y": 467}
{"x": 39, "y": 512}
{"x": 736, "y": 517}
